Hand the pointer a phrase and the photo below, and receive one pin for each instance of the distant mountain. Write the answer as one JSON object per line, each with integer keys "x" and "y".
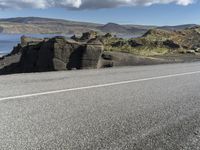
{"x": 123, "y": 29}
{"x": 44, "y": 25}
{"x": 26, "y": 20}
{"x": 113, "y": 27}
{"x": 59, "y": 26}
{"x": 38, "y": 20}
{"x": 178, "y": 27}
{"x": 49, "y": 25}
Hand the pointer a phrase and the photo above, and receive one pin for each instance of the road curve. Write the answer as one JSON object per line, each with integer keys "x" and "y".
{"x": 144, "y": 107}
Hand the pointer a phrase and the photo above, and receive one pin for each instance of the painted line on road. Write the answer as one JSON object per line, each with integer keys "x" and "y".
{"x": 97, "y": 86}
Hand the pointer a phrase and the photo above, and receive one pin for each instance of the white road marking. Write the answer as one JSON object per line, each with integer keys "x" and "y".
{"x": 97, "y": 86}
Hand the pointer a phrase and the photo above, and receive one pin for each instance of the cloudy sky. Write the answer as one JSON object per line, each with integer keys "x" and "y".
{"x": 157, "y": 12}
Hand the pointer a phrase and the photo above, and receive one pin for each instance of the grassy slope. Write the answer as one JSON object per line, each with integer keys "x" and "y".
{"x": 154, "y": 42}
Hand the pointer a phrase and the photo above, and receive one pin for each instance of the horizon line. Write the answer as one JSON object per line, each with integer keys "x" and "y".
{"x": 94, "y": 22}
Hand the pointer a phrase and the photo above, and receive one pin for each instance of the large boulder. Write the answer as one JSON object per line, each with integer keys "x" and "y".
{"x": 171, "y": 44}
{"x": 91, "y": 56}
{"x": 86, "y": 36}
{"x": 89, "y": 35}
{"x": 57, "y": 54}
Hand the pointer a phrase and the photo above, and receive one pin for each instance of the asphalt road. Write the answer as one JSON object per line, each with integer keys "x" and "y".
{"x": 145, "y": 107}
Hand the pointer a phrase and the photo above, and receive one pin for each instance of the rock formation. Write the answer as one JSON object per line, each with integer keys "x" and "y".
{"x": 98, "y": 51}
{"x": 59, "y": 53}
{"x": 37, "y": 55}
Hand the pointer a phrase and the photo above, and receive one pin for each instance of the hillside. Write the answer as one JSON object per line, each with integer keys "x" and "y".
{"x": 158, "y": 42}
{"x": 178, "y": 27}
{"x": 50, "y": 26}
{"x": 44, "y": 25}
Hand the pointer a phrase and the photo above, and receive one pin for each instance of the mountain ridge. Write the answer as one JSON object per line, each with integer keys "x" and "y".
{"x": 50, "y": 25}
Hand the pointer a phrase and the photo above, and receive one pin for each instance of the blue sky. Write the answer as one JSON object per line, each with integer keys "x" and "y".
{"x": 156, "y": 14}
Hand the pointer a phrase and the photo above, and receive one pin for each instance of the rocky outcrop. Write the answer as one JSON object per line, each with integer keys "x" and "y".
{"x": 58, "y": 53}
{"x": 171, "y": 44}
{"x": 157, "y": 42}
{"x": 29, "y": 40}
{"x": 86, "y": 36}
{"x": 54, "y": 55}
{"x": 89, "y": 35}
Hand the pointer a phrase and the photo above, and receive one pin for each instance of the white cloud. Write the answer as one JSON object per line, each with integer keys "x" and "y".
{"x": 84, "y": 4}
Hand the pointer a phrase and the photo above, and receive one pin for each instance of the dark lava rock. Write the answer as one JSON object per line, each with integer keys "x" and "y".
{"x": 108, "y": 35}
{"x": 54, "y": 55}
{"x": 74, "y": 38}
{"x": 88, "y": 35}
{"x": 119, "y": 43}
{"x": 106, "y": 56}
{"x": 134, "y": 43}
{"x": 171, "y": 44}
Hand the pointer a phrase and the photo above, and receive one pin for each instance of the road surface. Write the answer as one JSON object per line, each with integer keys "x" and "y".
{"x": 144, "y": 107}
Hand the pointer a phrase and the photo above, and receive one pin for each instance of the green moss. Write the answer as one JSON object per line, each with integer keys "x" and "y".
{"x": 144, "y": 51}
{"x": 147, "y": 47}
